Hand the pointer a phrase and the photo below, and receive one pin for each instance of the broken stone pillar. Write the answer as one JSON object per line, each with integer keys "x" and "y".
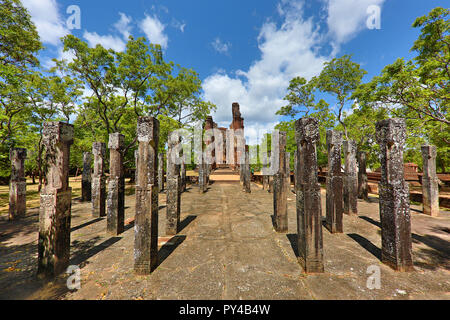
{"x": 334, "y": 200}
{"x": 246, "y": 172}
{"x": 55, "y": 206}
{"x": 173, "y": 188}
{"x": 280, "y": 189}
{"x": 146, "y": 218}
{"x": 430, "y": 182}
{"x": 115, "y": 202}
{"x": 350, "y": 178}
{"x": 309, "y": 209}
{"x": 363, "y": 188}
{"x": 393, "y": 193}
{"x": 288, "y": 172}
{"x": 86, "y": 180}
{"x": 18, "y": 184}
{"x": 161, "y": 172}
{"x": 99, "y": 180}
{"x": 270, "y": 190}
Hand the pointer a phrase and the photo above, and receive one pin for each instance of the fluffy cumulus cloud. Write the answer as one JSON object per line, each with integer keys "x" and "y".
{"x": 287, "y": 51}
{"x": 154, "y": 30}
{"x": 123, "y": 25}
{"x": 347, "y": 17}
{"x": 48, "y": 21}
{"x": 107, "y": 41}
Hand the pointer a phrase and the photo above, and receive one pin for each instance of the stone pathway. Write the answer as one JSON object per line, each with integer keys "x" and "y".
{"x": 227, "y": 249}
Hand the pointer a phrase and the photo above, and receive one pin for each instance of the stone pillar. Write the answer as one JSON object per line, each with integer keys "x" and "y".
{"x": 296, "y": 157}
{"x": 161, "y": 172}
{"x": 279, "y": 188}
{"x": 18, "y": 184}
{"x": 309, "y": 210}
{"x": 202, "y": 179}
{"x": 173, "y": 188}
{"x": 334, "y": 200}
{"x": 288, "y": 172}
{"x": 183, "y": 176}
{"x": 99, "y": 180}
{"x": 350, "y": 179}
{"x": 396, "y": 247}
{"x": 246, "y": 172}
{"x": 55, "y": 206}
{"x": 363, "y": 188}
{"x": 270, "y": 190}
{"x": 86, "y": 179}
{"x": 115, "y": 202}
{"x": 146, "y": 218}
{"x": 430, "y": 182}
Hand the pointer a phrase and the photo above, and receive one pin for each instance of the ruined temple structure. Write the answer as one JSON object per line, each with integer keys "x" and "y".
{"x": 236, "y": 124}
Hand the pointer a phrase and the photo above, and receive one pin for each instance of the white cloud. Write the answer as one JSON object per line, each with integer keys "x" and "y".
{"x": 286, "y": 51}
{"x": 107, "y": 41}
{"x": 347, "y": 17}
{"x": 220, "y": 46}
{"x": 49, "y": 24}
{"x": 154, "y": 30}
{"x": 123, "y": 25}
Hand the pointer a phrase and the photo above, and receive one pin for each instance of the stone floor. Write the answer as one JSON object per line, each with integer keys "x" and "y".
{"x": 228, "y": 249}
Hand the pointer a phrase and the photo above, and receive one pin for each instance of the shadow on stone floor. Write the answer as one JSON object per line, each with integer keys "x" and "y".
{"x": 186, "y": 221}
{"x": 370, "y": 220}
{"x": 293, "y": 239}
{"x": 166, "y": 250}
{"x": 366, "y": 244}
{"x": 86, "y": 224}
{"x": 86, "y": 249}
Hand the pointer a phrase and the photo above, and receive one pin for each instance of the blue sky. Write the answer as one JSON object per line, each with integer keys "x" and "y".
{"x": 244, "y": 51}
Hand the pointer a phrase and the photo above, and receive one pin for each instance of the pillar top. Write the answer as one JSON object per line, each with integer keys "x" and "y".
{"x": 147, "y": 129}
{"x": 57, "y": 131}
{"x": 429, "y": 150}
{"x": 390, "y": 131}
{"x": 98, "y": 148}
{"x": 334, "y": 137}
{"x": 307, "y": 129}
{"x": 18, "y": 153}
{"x": 350, "y": 146}
{"x": 115, "y": 141}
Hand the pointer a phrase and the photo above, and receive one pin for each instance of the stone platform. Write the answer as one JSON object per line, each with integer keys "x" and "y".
{"x": 228, "y": 249}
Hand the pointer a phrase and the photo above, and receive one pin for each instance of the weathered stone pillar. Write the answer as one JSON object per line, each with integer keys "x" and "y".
{"x": 115, "y": 202}
{"x": 270, "y": 190}
{"x": 146, "y": 218}
{"x": 279, "y": 188}
{"x": 18, "y": 184}
{"x": 202, "y": 178}
{"x": 334, "y": 200}
{"x": 363, "y": 188}
{"x": 265, "y": 165}
{"x": 86, "y": 179}
{"x": 393, "y": 192}
{"x": 309, "y": 210}
{"x": 99, "y": 180}
{"x": 288, "y": 172}
{"x": 183, "y": 176}
{"x": 246, "y": 172}
{"x": 173, "y": 188}
{"x": 161, "y": 172}
{"x": 430, "y": 182}
{"x": 296, "y": 157}
{"x": 350, "y": 178}
{"x": 56, "y": 196}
